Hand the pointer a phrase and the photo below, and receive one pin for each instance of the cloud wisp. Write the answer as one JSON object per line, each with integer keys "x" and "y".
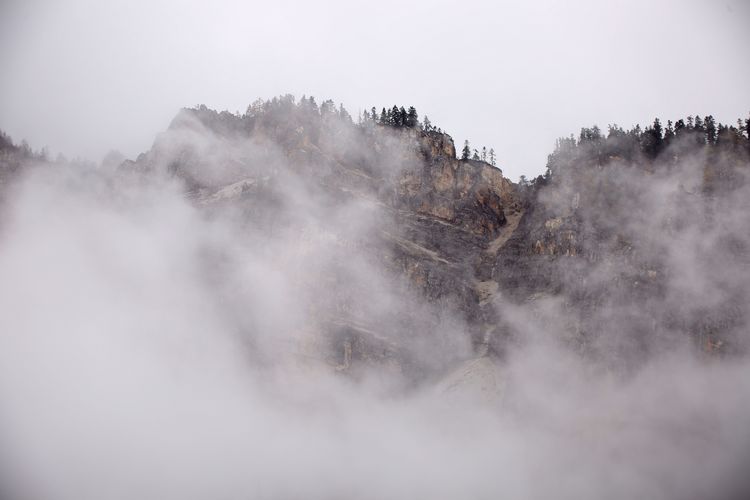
{"x": 165, "y": 339}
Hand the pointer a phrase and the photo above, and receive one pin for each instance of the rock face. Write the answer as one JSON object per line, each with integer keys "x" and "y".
{"x": 465, "y": 258}
{"x": 430, "y": 225}
{"x": 624, "y": 259}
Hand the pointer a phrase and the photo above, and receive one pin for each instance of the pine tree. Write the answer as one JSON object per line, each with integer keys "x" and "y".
{"x": 395, "y": 116}
{"x": 412, "y": 119}
{"x": 312, "y": 105}
{"x": 668, "y": 133}
{"x": 475, "y": 156}
{"x": 679, "y": 127}
{"x": 466, "y": 152}
{"x": 344, "y": 114}
{"x": 427, "y": 124}
{"x": 710, "y": 126}
{"x": 492, "y": 157}
{"x": 383, "y": 117}
{"x": 698, "y": 123}
{"x": 726, "y": 135}
{"x": 651, "y": 140}
{"x": 700, "y": 136}
{"x": 327, "y": 107}
{"x": 484, "y": 153}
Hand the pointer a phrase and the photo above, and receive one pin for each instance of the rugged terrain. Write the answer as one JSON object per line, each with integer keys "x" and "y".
{"x": 397, "y": 198}
{"x": 594, "y": 254}
{"x": 397, "y": 254}
{"x": 288, "y": 304}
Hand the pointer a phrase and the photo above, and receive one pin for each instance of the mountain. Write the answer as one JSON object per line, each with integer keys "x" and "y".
{"x": 631, "y": 245}
{"x": 399, "y": 215}
{"x": 327, "y": 308}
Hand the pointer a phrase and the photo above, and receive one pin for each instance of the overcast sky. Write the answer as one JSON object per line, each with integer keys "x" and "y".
{"x": 85, "y": 76}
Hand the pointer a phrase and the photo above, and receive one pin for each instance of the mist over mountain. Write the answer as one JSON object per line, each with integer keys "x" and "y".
{"x": 294, "y": 302}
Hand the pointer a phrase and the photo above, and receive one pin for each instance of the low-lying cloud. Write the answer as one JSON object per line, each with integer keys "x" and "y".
{"x": 155, "y": 348}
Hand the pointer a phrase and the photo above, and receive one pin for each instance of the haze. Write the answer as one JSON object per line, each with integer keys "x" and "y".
{"x": 82, "y": 77}
{"x": 280, "y": 302}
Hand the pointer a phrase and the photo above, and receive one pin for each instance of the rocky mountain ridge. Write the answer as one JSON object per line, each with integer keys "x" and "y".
{"x": 581, "y": 251}
{"x": 438, "y": 216}
{"x": 404, "y": 256}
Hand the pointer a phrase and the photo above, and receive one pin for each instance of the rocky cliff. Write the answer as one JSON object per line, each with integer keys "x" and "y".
{"x": 593, "y": 254}
{"x": 420, "y": 216}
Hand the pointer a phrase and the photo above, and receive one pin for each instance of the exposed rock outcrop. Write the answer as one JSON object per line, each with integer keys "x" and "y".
{"x": 433, "y": 216}
{"x": 468, "y": 241}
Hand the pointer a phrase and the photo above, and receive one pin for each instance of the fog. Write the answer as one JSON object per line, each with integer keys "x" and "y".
{"x": 227, "y": 316}
{"x": 157, "y": 342}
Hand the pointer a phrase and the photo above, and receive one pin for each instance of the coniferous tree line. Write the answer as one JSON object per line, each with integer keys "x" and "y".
{"x": 398, "y": 117}
{"x": 473, "y": 154}
{"x": 642, "y": 146}
{"x": 286, "y": 111}
{"x": 22, "y": 150}
{"x": 13, "y": 156}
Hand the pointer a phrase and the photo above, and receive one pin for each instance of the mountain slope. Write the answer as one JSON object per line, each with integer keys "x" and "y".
{"x": 591, "y": 254}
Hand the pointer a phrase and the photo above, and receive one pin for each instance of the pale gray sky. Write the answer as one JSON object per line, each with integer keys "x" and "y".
{"x": 86, "y": 76}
